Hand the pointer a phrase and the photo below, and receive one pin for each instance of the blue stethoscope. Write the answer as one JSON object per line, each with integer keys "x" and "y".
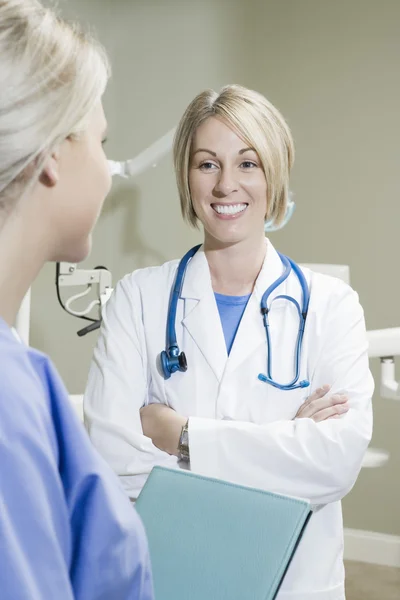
{"x": 172, "y": 359}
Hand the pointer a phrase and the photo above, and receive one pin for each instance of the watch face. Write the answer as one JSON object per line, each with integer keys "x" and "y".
{"x": 184, "y": 445}
{"x": 185, "y": 456}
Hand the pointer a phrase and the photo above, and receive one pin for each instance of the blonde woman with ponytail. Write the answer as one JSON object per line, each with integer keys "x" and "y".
{"x": 67, "y": 529}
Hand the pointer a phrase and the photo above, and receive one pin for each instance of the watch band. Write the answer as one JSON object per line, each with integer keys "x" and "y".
{"x": 183, "y": 446}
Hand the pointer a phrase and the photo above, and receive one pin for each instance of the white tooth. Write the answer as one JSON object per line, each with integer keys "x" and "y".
{"x": 229, "y": 209}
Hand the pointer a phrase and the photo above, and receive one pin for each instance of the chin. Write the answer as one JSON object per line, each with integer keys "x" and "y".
{"x": 75, "y": 253}
{"x": 232, "y": 233}
{"x": 228, "y": 238}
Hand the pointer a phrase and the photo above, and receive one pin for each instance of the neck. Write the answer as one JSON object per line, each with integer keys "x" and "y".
{"x": 234, "y": 268}
{"x": 21, "y": 258}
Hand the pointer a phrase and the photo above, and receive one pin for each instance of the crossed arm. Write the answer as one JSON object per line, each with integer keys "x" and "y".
{"x": 163, "y": 425}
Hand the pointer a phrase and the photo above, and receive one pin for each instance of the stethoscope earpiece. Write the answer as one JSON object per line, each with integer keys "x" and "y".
{"x": 286, "y": 388}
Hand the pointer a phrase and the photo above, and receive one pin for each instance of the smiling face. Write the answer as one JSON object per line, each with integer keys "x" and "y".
{"x": 227, "y": 185}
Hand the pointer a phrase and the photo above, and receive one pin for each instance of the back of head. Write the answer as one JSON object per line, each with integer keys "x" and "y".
{"x": 51, "y": 77}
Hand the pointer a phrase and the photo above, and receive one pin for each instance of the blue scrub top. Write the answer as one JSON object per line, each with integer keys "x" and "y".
{"x": 231, "y": 310}
{"x": 67, "y": 528}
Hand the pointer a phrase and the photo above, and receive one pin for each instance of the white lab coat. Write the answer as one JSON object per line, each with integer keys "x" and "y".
{"x": 240, "y": 429}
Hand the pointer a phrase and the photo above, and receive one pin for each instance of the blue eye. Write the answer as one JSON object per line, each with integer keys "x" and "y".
{"x": 207, "y": 166}
{"x": 248, "y": 164}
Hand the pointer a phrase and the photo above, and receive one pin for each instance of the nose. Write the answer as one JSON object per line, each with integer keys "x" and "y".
{"x": 226, "y": 183}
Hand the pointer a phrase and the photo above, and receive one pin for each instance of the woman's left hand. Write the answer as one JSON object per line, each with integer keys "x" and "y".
{"x": 163, "y": 425}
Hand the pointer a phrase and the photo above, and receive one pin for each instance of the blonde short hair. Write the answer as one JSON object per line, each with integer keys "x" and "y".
{"x": 52, "y": 75}
{"x": 260, "y": 125}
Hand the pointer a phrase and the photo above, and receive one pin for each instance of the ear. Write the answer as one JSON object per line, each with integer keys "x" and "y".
{"x": 51, "y": 170}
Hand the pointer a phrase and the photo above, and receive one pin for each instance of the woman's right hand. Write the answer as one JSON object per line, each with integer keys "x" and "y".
{"x": 320, "y": 406}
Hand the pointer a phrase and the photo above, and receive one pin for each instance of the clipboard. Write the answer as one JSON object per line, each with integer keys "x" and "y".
{"x": 214, "y": 540}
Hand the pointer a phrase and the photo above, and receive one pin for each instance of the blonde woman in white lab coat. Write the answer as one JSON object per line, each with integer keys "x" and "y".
{"x": 233, "y": 153}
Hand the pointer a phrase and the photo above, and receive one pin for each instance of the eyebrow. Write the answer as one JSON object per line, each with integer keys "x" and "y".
{"x": 246, "y": 150}
{"x": 205, "y": 150}
{"x": 242, "y": 151}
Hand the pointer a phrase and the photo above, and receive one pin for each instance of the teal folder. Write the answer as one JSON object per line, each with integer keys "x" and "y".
{"x": 213, "y": 540}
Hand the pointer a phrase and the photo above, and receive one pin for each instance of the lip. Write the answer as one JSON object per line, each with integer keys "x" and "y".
{"x": 228, "y": 217}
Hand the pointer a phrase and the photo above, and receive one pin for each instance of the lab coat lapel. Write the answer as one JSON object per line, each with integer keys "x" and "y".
{"x": 202, "y": 318}
{"x": 251, "y": 333}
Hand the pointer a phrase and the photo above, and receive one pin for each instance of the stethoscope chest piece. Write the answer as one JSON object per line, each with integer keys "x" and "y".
{"x": 172, "y": 360}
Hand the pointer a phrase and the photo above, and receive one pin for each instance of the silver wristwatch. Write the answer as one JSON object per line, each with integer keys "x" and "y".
{"x": 183, "y": 446}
